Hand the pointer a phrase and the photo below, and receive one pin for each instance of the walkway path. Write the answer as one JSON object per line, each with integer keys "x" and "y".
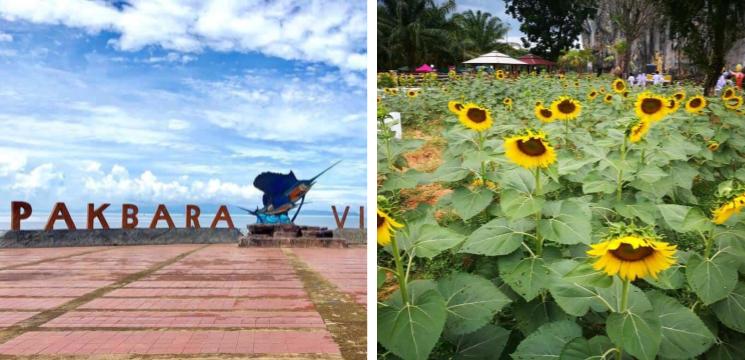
{"x": 195, "y": 300}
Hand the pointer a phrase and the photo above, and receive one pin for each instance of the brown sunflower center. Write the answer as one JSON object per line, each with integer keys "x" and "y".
{"x": 728, "y": 93}
{"x": 733, "y": 101}
{"x": 532, "y": 147}
{"x": 619, "y": 85}
{"x": 458, "y": 107}
{"x": 678, "y": 96}
{"x": 695, "y": 103}
{"x": 566, "y": 107}
{"x": 592, "y": 94}
{"x": 651, "y": 106}
{"x": 476, "y": 115}
{"x": 670, "y": 104}
{"x": 546, "y": 113}
{"x": 627, "y": 252}
{"x": 381, "y": 221}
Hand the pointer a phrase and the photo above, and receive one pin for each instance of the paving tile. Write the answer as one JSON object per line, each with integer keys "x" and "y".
{"x": 187, "y": 319}
{"x": 45, "y": 292}
{"x": 202, "y": 292}
{"x": 8, "y": 318}
{"x": 197, "y": 304}
{"x": 20, "y": 303}
{"x": 285, "y": 284}
{"x": 345, "y": 268}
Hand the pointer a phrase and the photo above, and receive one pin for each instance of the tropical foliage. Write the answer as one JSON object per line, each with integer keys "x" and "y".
{"x": 580, "y": 219}
{"x": 414, "y": 32}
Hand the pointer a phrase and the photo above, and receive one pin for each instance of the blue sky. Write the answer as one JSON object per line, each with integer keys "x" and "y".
{"x": 180, "y": 101}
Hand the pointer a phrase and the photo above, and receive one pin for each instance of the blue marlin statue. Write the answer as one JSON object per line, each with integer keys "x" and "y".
{"x": 282, "y": 193}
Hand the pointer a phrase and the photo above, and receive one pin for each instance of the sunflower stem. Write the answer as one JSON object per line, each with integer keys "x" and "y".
{"x": 566, "y": 133}
{"x": 481, "y": 148}
{"x": 538, "y": 237}
{"x": 624, "y": 303}
{"x": 400, "y": 274}
{"x": 619, "y": 189}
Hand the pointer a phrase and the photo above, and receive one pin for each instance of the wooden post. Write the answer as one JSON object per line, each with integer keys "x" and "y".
{"x": 340, "y": 224}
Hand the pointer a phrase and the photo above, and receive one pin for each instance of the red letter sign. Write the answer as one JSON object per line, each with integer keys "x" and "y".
{"x": 97, "y": 213}
{"x": 129, "y": 215}
{"x": 222, "y": 214}
{"x": 192, "y": 216}
{"x": 161, "y": 213}
{"x": 59, "y": 213}
{"x": 19, "y": 210}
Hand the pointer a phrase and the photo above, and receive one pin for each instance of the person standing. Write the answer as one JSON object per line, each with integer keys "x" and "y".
{"x": 641, "y": 79}
{"x": 657, "y": 79}
{"x": 739, "y": 76}
{"x": 630, "y": 79}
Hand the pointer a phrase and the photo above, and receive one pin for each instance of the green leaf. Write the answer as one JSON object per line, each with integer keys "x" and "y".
{"x": 396, "y": 181}
{"x": 472, "y": 301}
{"x": 711, "y": 279}
{"x": 731, "y": 310}
{"x": 450, "y": 171}
{"x": 486, "y": 343}
{"x": 637, "y": 333}
{"x": 645, "y": 211}
{"x": 727, "y": 350}
{"x": 548, "y": 341}
{"x": 674, "y": 215}
{"x": 534, "y": 314}
{"x": 528, "y": 278}
{"x": 670, "y": 279}
{"x": 497, "y": 237}
{"x": 612, "y": 295}
{"x": 519, "y": 179}
{"x": 412, "y": 330}
{"x": 585, "y": 274}
{"x": 571, "y": 226}
{"x": 684, "y": 335}
{"x": 582, "y": 349}
{"x": 467, "y": 203}
{"x": 651, "y": 173}
{"x": 516, "y": 204}
{"x": 598, "y": 186}
{"x": 381, "y": 277}
{"x": 428, "y": 240}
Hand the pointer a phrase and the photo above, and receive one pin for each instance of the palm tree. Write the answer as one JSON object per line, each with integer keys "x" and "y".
{"x": 480, "y": 31}
{"x": 412, "y": 31}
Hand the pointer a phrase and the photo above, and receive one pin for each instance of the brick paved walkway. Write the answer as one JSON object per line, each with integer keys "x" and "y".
{"x": 216, "y": 300}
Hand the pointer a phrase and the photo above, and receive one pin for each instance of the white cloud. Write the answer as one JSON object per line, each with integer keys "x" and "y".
{"x": 38, "y": 178}
{"x": 6, "y": 37}
{"x": 329, "y": 31}
{"x": 171, "y": 57}
{"x": 11, "y": 161}
{"x": 119, "y": 184}
{"x": 176, "y": 124}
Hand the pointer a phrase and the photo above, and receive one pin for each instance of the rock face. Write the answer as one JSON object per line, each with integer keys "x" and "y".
{"x": 100, "y": 237}
{"x": 289, "y": 235}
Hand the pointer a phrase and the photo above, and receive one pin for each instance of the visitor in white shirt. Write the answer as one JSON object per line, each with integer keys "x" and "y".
{"x": 724, "y": 80}
{"x": 630, "y": 80}
{"x": 641, "y": 79}
{"x": 657, "y": 79}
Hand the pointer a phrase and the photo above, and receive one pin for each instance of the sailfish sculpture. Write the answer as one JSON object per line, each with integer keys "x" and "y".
{"x": 282, "y": 193}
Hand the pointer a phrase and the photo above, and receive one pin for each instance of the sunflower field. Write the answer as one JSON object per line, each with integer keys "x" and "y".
{"x": 562, "y": 217}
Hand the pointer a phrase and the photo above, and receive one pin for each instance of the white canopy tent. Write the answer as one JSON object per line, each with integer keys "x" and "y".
{"x": 495, "y": 58}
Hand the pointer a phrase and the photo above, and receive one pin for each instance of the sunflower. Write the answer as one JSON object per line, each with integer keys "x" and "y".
{"x": 379, "y": 99}
{"x": 539, "y": 103}
{"x": 650, "y": 107}
{"x": 455, "y": 107}
{"x": 566, "y": 108}
{"x": 608, "y": 98}
{"x": 412, "y": 93}
{"x": 625, "y": 94}
{"x": 592, "y": 95}
{"x": 499, "y": 75}
{"x": 479, "y": 182}
{"x": 729, "y": 208}
{"x": 637, "y": 131}
{"x": 695, "y": 104}
{"x": 543, "y": 114}
{"x": 632, "y": 257}
{"x": 679, "y": 95}
{"x": 728, "y": 93}
{"x": 530, "y": 151}
{"x": 475, "y": 117}
{"x": 507, "y": 102}
{"x": 619, "y": 86}
{"x": 733, "y": 103}
{"x": 392, "y": 91}
{"x": 672, "y": 105}
{"x": 712, "y": 146}
{"x": 386, "y": 227}
{"x": 601, "y": 89}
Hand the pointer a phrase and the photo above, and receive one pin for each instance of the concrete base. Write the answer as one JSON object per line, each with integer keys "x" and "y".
{"x": 289, "y": 235}
{"x": 100, "y": 237}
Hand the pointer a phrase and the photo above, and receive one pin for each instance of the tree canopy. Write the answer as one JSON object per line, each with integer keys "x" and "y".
{"x": 551, "y": 26}
{"x": 413, "y": 32}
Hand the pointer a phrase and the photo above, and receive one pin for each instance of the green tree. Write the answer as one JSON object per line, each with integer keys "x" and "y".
{"x": 706, "y": 31}
{"x": 553, "y": 26}
{"x": 411, "y": 32}
{"x": 577, "y": 59}
{"x": 480, "y": 31}
{"x": 632, "y": 18}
